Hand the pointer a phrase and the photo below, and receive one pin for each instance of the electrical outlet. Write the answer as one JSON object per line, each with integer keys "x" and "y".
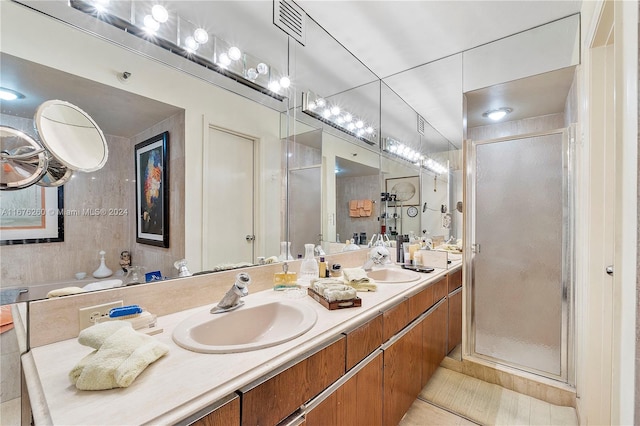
{"x": 87, "y": 316}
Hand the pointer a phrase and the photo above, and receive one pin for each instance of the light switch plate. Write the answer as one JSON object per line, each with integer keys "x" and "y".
{"x": 87, "y": 316}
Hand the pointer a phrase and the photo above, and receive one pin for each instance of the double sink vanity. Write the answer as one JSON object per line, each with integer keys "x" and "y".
{"x": 277, "y": 359}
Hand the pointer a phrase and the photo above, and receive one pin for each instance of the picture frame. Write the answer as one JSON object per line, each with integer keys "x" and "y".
{"x": 406, "y": 189}
{"x": 32, "y": 215}
{"x": 152, "y": 191}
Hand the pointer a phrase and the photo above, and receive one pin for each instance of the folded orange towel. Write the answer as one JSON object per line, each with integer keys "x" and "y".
{"x": 367, "y": 209}
{"x": 353, "y": 209}
{"x": 6, "y": 318}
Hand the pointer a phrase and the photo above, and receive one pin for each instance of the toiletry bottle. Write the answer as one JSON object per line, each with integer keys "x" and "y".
{"x": 308, "y": 267}
{"x": 322, "y": 268}
{"x": 284, "y": 280}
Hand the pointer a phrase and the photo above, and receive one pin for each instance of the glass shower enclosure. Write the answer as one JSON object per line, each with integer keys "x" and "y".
{"x": 518, "y": 238}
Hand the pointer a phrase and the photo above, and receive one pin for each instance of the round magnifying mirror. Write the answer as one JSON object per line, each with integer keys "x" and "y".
{"x": 71, "y": 136}
{"x": 28, "y": 161}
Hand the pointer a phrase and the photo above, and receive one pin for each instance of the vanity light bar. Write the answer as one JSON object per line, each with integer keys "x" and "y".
{"x": 197, "y": 45}
{"x": 318, "y": 107}
{"x": 401, "y": 150}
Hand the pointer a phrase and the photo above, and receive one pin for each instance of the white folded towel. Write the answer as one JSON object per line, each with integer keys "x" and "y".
{"x": 333, "y": 290}
{"x": 358, "y": 279}
{"x": 122, "y": 356}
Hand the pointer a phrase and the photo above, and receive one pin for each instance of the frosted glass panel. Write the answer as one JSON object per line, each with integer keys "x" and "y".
{"x": 518, "y": 272}
{"x": 305, "y": 224}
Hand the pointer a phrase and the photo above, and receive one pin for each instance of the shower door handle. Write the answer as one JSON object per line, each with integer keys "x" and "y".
{"x": 475, "y": 248}
{"x": 609, "y": 270}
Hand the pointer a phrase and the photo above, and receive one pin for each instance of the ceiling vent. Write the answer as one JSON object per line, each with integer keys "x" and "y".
{"x": 421, "y": 124}
{"x": 290, "y": 18}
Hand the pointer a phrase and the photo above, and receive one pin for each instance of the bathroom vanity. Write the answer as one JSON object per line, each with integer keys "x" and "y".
{"x": 339, "y": 372}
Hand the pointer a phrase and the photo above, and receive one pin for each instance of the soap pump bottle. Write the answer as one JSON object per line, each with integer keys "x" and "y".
{"x": 322, "y": 268}
{"x": 309, "y": 267}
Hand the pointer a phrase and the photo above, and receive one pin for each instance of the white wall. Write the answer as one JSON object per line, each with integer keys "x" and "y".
{"x": 38, "y": 38}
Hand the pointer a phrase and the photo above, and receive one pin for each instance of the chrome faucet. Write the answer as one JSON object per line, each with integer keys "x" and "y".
{"x": 231, "y": 300}
{"x": 378, "y": 255}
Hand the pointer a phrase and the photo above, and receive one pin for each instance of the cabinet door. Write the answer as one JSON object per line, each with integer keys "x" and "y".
{"x": 402, "y": 375}
{"x": 394, "y": 320}
{"x": 363, "y": 340}
{"x": 275, "y": 399}
{"x": 455, "y": 321}
{"x": 455, "y": 280}
{"x": 440, "y": 289}
{"x": 434, "y": 341}
{"x": 226, "y": 415}
{"x": 358, "y": 402}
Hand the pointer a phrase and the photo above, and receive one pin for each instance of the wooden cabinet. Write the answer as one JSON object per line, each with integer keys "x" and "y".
{"x": 363, "y": 340}
{"x": 455, "y": 320}
{"x": 434, "y": 327}
{"x": 227, "y": 414}
{"x": 440, "y": 289}
{"x": 455, "y": 281}
{"x": 358, "y": 402}
{"x": 419, "y": 303}
{"x": 274, "y": 399}
{"x": 394, "y": 320}
{"x": 402, "y": 375}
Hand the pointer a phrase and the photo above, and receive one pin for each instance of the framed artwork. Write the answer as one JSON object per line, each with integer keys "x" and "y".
{"x": 406, "y": 189}
{"x": 32, "y": 215}
{"x": 152, "y": 191}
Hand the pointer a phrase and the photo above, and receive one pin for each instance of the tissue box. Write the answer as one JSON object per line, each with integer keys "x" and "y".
{"x": 435, "y": 258}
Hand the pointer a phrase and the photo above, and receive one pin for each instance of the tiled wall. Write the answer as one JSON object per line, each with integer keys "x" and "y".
{"x": 111, "y": 187}
{"x": 357, "y": 188}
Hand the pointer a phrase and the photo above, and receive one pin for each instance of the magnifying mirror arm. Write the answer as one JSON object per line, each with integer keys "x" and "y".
{"x": 29, "y": 154}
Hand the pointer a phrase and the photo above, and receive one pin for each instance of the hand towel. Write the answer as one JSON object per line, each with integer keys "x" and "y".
{"x": 333, "y": 289}
{"x": 353, "y": 209}
{"x": 6, "y": 318}
{"x": 123, "y": 355}
{"x": 66, "y": 291}
{"x": 367, "y": 208}
{"x": 358, "y": 279}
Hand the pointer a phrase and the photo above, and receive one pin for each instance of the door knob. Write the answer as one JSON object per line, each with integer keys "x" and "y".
{"x": 250, "y": 238}
{"x": 609, "y": 269}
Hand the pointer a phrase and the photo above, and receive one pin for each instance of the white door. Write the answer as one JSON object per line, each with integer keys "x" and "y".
{"x": 228, "y": 199}
{"x": 610, "y": 201}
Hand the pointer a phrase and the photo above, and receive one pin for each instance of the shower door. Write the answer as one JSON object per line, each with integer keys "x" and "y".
{"x": 517, "y": 189}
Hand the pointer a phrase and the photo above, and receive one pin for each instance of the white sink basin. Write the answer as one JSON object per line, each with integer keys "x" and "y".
{"x": 393, "y": 275}
{"x": 245, "y": 329}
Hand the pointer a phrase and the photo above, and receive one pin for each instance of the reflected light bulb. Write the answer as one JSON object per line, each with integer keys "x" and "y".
{"x": 235, "y": 53}
{"x": 335, "y": 110}
{"x": 252, "y": 73}
{"x": 340, "y": 119}
{"x": 150, "y": 24}
{"x": 262, "y": 68}
{"x": 351, "y": 126}
{"x": 191, "y": 44}
{"x": 274, "y": 86}
{"x": 369, "y": 130}
{"x": 159, "y": 13}
{"x": 359, "y": 124}
{"x": 285, "y": 82}
{"x": 321, "y": 102}
{"x": 326, "y": 113}
{"x": 223, "y": 60}
{"x": 348, "y": 117}
{"x": 200, "y": 35}
{"x": 101, "y": 5}
{"x": 311, "y": 106}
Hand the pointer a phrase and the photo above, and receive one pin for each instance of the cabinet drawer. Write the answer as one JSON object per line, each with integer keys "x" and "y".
{"x": 394, "y": 320}
{"x": 420, "y": 302}
{"x": 440, "y": 289}
{"x": 455, "y": 280}
{"x": 227, "y": 414}
{"x": 276, "y": 398}
{"x": 363, "y": 340}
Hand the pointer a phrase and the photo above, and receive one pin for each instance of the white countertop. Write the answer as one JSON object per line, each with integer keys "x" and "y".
{"x": 184, "y": 382}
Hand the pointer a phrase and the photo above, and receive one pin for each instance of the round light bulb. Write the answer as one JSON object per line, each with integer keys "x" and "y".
{"x": 274, "y": 86}
{"x": 285, "y": 82}
{"x": 159, "y": 13}
{"x": 360, "y": 132}
{"x": 200, "y": 35}
{"x": 234, "y": 53}
{"x": 351, "y": 126}
{"x": 359, "y": 124}
{"x": 150, "y": 24}
{"x": 497, "y": 115}
{"x": 191, "y": 44}
{"x": 223, "y": 60}
{"x": 348, "y": 117}
{"x": 101, "y": 5}
{"x": 326, "y": 113}
{"x": 321, "y": 102}
{"x": 369, "y": 130}
{"x": 340, "y": 119}
{"x": 335, "y": 110}
{"x": 8, "y": 96}
{"x": 262, "y": 68}
{"x": 252, "y": 73}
